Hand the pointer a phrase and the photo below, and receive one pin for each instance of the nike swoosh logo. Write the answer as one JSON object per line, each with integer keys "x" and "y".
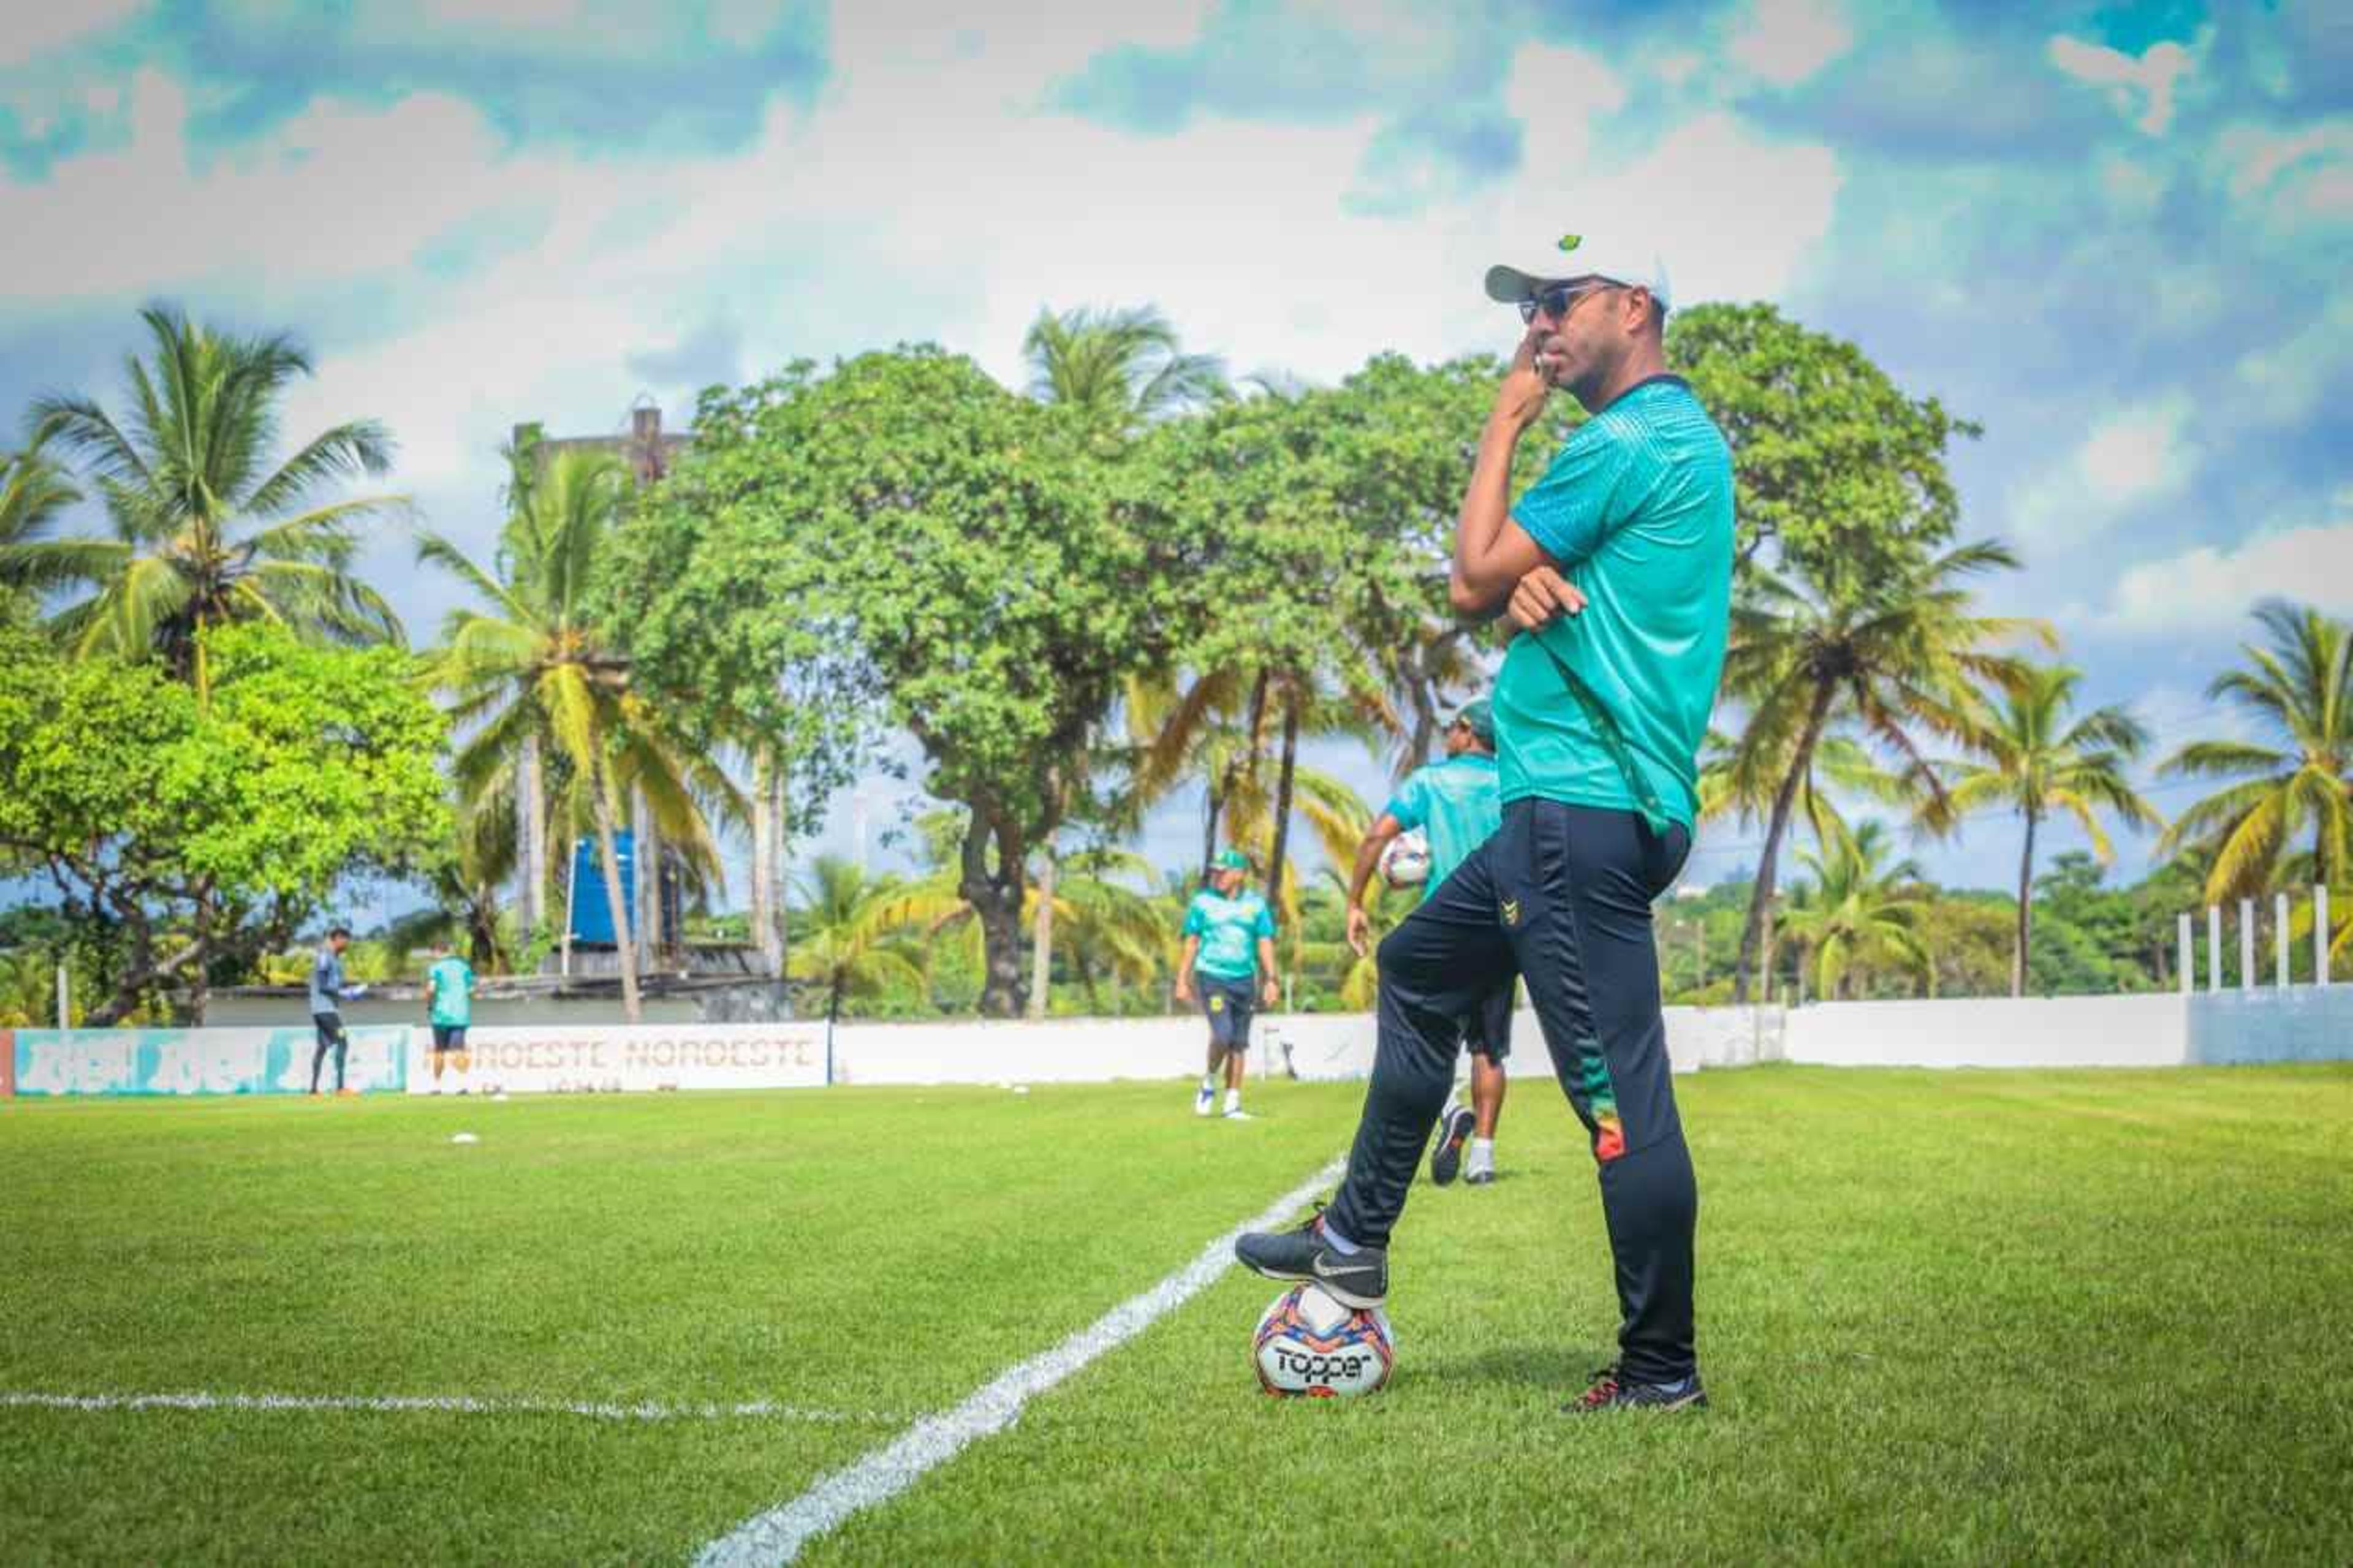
{"x": 1315, "y": 1266}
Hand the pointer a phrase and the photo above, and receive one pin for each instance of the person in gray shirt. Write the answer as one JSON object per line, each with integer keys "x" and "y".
{"x": 328, "y": 993}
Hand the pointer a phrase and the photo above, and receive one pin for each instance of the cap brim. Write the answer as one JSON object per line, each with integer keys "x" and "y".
{"x": 1510, "y": 286}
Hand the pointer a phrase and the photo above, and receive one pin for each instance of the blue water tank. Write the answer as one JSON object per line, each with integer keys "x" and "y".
{"x": 592, "y": 912}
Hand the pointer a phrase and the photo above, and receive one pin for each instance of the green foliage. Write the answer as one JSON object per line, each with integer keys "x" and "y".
{"x": 904, "y": 545}
{"x": 203, "y": 832}
{"x": 204, "y": 531}
{"x": 1835, "y": 463}
{"x": 2289, "y": 820}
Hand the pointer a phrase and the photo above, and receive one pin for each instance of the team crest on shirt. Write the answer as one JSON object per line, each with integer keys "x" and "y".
{"x": 1511, "y": 911}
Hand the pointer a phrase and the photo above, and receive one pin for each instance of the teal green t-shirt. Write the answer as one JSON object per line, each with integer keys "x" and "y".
{"x": 1637, "y": 509}
{"x": 1229, "y": 930}
{"x": 1457, "y": 803}
{"x": 450, "y": 981}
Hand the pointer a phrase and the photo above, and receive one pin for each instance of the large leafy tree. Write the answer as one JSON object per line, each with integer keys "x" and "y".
{"x": 535, "y": 663}
{"x": 207, "y": 528}
{"x": 1834, "y": 461}
{"x": 2289, "y": 816}
{"x": 2041, "y": 759}
{"x": 902, "y": 546}
{"x": 199, "y": 835}
{"x": 1894, "y": 655}
{"x": 1115, "y": 371}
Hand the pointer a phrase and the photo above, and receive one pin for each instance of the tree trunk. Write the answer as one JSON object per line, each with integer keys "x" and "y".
{"x": 2025, "y": 911}
{"x": 1041, "y": 935}
{"x": 1283, "y": 777}
{"x": 632, "y": 1008}
{"x": 995, "y": 900}
{"x": 647, "y": 872}
{"x": 763, "y": 890}
{"x": 1760, "y": 899}
{"x": 1233, "y": 772}
{"x": 531, "y": 834}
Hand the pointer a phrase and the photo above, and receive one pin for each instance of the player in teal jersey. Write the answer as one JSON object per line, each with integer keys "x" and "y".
{"x": 1228, "y": 944}
{"x": 1457, "y": 805}
{"x": 1616, "y": 566}
{"x": 449, "y": 990}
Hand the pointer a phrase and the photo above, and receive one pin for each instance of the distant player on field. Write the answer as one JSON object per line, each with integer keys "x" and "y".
{"x": 1456, "y": 804}
{"x": 1617, "y": 567}
{"x": 449, "y": 995}
{"x": 1229, "y": 950}
{"x": 328, "y": 995}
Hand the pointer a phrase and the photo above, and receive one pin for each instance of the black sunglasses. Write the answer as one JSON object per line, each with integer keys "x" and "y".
{"x": 1556, "y": 300}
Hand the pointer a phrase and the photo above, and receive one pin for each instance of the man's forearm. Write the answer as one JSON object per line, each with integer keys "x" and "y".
{"x": 1368, "y": 855}
{"x": 1477, "y": 588}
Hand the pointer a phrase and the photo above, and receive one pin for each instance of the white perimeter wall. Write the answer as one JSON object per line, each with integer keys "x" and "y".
{"x": 2147, "y": 1030}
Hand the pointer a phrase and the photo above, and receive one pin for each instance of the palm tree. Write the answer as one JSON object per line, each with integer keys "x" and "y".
{"x": 1858, "y": 909}
{"x": 2300, "y": 690}
{"x": 855, "y": 934}
{"x": 534, "y": 667}
{"x": 33, "y": 491}
{"x": 1890, "y": 655}
{"x": 204, "y": 530}
{"x": 2037, "y": 762}
{"x": 464, "y": 885}
{"x": 1119, "y": 369}
{"x": 1112, "y": 931}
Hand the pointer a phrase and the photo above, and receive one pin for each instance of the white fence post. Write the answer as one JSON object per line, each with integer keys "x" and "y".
{"x": 2189, "y": 956}
{"x": 2279, "y": 938}
{"x": 65, "y": 1006}
{"x": 2320, "y": 933}
{"x": 2213, "y": 947}
{"x": 2246, "y": 944}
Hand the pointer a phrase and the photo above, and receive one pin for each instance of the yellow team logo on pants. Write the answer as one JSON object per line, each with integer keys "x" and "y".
{"x": 1511, "y": 911}
{"x": 1217, "y": 1004}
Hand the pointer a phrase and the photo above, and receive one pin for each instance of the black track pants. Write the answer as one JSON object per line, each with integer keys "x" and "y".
{"x": 1562, "y": 895}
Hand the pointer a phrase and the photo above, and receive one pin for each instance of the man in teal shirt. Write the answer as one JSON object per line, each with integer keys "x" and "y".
{"x": 449, "y": 988}
{"x": 1455, "y": 805}
{"x": 1228, "y": 942}
{"x": 1617, "y": 569}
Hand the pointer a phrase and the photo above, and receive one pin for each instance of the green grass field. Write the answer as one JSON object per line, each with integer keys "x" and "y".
{"x": 1968, "y": 1316}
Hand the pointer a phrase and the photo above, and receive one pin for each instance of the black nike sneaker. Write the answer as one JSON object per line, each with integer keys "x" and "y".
{"x": 1608, "y": 1392}
{"x": 1453, "y": 1131}
{"x": 1359, "y": 1278}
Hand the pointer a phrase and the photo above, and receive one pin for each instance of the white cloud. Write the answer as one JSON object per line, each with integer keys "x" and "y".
{"x": 2213, "y": 589}
{"x": 1786, "y": 41}
{"x": 2137, "y": 456}
{"x": 335, "y": 193}
{"x": 2284, "y": 382}
{"x": 33, "y": 30}
{"x": 2294, "y": 179}
{"x": 2144, "y": 82}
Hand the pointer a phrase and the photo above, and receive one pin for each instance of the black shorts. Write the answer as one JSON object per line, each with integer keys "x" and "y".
{"x": 1487, "y": 1031}
{"x": 1228, "y": 1005}
{"x": 448, "y": 1036}
{"x": 330, "y": 1028}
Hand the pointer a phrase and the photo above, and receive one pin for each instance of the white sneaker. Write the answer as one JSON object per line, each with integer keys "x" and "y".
{"x": 1238, "y": 1114}
{"x": 1205, "y": 1102}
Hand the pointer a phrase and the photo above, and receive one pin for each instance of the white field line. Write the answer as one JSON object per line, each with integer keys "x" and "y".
{"x": 778, "y": 1535}
{"x": 455, "y": 1404}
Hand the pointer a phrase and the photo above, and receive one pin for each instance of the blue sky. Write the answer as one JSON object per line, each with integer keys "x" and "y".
{"x": 2115, "y": 235}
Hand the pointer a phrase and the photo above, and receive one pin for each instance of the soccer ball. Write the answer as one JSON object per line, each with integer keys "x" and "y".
{"x": 1405, "y": 862}
{"x": 1310, "y": 1343}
